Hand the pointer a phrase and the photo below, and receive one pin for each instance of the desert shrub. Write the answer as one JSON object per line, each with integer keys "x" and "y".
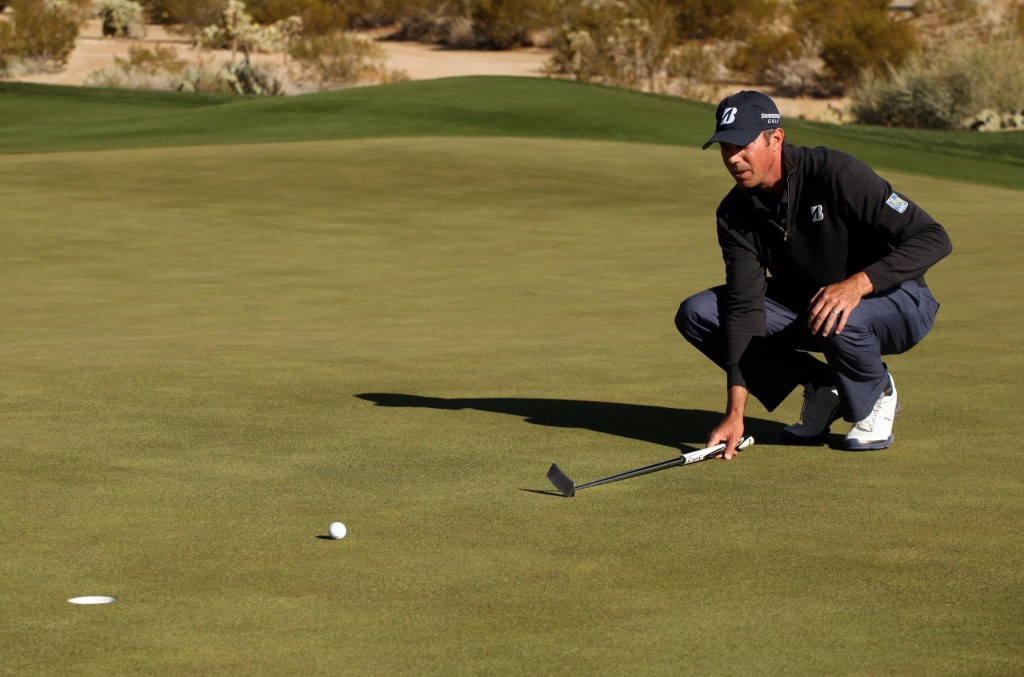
{"x": 608, "y": 41}
{"x": 765, "y": 55}
{"x": 43, "y": 31}
{"x": 821, "y": 47}
{"x": 503, "y": 24}
{"x": 426, "y": 21}
{"x": 723, "y": 19}
{"x": 243, "y": 77}
{"x": 143, "y": 69}
{"x": 370, "y": 13}
{"x": 236, "y": 30}
{"x": 118, "y": 78}
{"x": 853, "y": 36}
{"x": 948, "y": 88}
{"x": 6, "y": 50}
{"x": 952, "y": 10}
{"x": 340, "y": 59}
{"x": 190, "y": 15}
{"x": 159, "y": 59}
{"x": 693, "y": 68}
{"x": 204, "y": 77}
{"x": 488, "y": 24}
{"x": 162, "y": 69}
{"x": 639, "y": 47}
{"x": 122, "y": 19}
{"x": 319, "y": 17}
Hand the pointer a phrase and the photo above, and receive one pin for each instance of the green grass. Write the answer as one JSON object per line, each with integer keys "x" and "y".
{"x": 45, "y": 119}
{"x": 212, "y": 352}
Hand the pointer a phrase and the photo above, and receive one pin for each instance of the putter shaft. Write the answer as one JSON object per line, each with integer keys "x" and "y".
{"x": 568, "y": 488}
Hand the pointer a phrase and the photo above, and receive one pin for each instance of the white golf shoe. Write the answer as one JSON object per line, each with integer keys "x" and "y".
{"x": 875, "y": 431}
{"x": 820, "y": 409}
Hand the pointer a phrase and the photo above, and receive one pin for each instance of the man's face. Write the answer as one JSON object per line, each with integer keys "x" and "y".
{"x": 757, "y": 165}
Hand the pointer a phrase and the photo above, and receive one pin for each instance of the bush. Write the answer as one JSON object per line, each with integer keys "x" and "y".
{"x": 948, "y": 88}
{"x": 504, "y": 24}
{"x": 769, "y": 57}
{"x": 43, "y": 31}
{"x": 143, "y": 69}
{"x": 191, "y": 15}
{"x": 122, "y": 19}
{"x": 319, "y": 17}
{"x": 693, "y": 68}
{"x": 236, "y": 30}
{"x": 162, "y": 69}
{"x": 606, "y": 41}
{"x": 339, "y": 60}
{"x": 6, "y": 50}
{"x": 854, "y": 37}
{"x": 821, "y": 47}
{"x": 371, "y": 13}
{"x": 723, "y": 19}
{"x": 424, "y": 20}
{"x": 245, "y": 77}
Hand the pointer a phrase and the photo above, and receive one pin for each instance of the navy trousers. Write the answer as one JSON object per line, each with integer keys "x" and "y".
{"x": 885, "y": 323}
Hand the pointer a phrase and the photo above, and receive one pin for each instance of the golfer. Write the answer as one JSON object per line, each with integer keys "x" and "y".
{"x": 821, "y": 255}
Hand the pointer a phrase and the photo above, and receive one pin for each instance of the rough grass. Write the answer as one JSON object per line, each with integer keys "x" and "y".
{"x": 211, "y": 353}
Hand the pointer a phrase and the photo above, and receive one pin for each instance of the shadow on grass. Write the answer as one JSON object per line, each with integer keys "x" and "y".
{"x": 664, "y": 426}
{"x": 658, "y": 425}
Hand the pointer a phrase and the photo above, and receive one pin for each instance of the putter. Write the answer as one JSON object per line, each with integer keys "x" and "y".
{"x": 568, "y": 488}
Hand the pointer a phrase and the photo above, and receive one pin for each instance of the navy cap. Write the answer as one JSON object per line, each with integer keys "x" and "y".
{"x": 744, "y": 115}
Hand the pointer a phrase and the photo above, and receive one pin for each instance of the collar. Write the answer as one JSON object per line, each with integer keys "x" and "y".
{"x": 772, "y": 206}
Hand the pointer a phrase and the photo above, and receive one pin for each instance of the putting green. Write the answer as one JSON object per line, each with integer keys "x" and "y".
{"x": 211, "y": 353}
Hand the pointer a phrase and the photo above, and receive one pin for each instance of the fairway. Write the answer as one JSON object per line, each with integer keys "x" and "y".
{"x": 213, "y": 351}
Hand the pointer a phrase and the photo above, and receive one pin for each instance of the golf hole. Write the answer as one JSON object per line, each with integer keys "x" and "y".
{"x": 93, "y": 599}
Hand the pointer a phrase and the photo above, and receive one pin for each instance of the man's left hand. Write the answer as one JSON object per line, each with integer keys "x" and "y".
{"x": 832, "y": 305}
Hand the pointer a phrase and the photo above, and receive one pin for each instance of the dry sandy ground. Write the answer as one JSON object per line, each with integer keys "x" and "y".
{"x": 418, "y": 62}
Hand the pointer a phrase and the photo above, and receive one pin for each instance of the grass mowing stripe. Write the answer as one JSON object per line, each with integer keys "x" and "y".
{"x": 55, "y": 119}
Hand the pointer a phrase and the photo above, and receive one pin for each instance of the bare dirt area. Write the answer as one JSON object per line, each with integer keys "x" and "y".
{"x": 416, "y": 61}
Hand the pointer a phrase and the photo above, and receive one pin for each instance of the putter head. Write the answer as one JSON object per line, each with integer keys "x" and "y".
{"x": 562, "y": 481}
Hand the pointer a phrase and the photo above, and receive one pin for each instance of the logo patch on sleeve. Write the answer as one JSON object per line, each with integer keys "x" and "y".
{"x": 897, "y": 203}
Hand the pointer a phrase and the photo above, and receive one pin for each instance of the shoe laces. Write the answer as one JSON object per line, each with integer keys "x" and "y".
{"x": 868, "y": 424}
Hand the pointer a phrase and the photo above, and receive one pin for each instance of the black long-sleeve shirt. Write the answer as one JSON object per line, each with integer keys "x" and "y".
{"x": 835, "y": 218}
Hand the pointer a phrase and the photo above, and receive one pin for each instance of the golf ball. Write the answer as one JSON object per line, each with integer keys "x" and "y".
{"x": 337, "y": 530}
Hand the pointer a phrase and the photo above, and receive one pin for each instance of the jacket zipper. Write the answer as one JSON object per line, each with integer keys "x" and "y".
{"x": 789, "y": 201}
{"x": 785, "y": 233}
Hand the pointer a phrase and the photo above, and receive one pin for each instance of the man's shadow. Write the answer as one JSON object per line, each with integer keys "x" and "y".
{"x": 664, "y": 426}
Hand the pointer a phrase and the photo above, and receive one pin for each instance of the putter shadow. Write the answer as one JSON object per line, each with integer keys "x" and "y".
{"x": 544, "y": 492}
{"x": 664, "y": 426}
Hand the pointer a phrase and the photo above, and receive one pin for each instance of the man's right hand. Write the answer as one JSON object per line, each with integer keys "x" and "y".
{"x": 730, "y": 430}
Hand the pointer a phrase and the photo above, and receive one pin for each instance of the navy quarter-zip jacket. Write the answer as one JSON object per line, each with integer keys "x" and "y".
{"x": 836, "y": 217}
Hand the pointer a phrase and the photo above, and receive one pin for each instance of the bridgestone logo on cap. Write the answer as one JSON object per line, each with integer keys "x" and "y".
{"x": 774, "y": 117}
